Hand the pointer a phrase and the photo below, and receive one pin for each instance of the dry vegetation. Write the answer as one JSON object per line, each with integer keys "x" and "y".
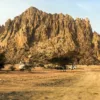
{"x": 42, "y": 84}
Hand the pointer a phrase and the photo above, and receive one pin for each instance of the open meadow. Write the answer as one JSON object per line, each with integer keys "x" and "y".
{"x": 82, "y": 83}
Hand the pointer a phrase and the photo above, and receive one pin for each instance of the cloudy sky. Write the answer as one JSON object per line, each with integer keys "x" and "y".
{"x": 76, "y": 8}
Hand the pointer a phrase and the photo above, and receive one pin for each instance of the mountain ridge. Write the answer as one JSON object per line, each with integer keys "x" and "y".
{"x": 44, "y": 35}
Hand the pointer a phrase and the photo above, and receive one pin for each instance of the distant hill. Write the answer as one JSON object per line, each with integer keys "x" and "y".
{"x": 39, "y": 36}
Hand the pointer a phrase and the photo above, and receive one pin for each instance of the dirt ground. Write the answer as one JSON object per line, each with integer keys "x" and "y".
{"x": 82, "y": 83}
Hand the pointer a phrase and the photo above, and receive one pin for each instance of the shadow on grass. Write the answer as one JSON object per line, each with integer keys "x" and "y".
{"x": 31, "y": 95}
{"x": 65, "y": 82}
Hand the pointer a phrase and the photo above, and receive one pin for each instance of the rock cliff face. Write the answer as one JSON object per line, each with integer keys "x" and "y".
{"x": 96, "y": 42}
{"x": 36, "y": 34}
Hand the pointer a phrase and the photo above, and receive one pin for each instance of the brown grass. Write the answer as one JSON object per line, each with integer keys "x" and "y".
{"x": 80, "y": 84}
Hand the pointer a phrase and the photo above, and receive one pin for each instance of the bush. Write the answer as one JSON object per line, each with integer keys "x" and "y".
{"x": 12, "y": 68}
{"x": 63, "y": 67}
{"x": 41, "y": 65}
{"x": 2, "y": 60}
{"x": 28, "y": 67}
{"x": 22, "y": 69}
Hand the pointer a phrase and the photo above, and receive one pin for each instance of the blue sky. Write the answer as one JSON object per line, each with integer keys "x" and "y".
{"x": 75, "y": 8}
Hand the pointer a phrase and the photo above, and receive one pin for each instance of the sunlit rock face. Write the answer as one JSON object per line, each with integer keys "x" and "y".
{"x": 41, "y": 35}
{"x": 96, "y": 42}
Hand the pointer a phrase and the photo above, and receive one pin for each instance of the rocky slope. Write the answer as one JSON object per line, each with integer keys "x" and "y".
{"x": 96, "y": 42}
{"x": 39, "y": 35}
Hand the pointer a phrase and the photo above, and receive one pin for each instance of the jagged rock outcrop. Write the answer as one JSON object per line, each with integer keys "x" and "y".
{"x": 2, "y": 28}
{"x": 96, "y": 42}
{"x": 41, "y": 35}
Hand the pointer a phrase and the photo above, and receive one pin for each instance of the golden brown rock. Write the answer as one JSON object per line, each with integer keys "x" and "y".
{"x": 40, "y": 34}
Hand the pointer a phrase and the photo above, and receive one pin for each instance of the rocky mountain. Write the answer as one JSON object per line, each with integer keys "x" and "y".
{"x": 96, "y": 42}
{"x": 38, "y": 35}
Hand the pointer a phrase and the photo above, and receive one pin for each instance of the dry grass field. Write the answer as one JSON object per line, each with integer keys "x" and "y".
{"x": 82, "y": 83}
